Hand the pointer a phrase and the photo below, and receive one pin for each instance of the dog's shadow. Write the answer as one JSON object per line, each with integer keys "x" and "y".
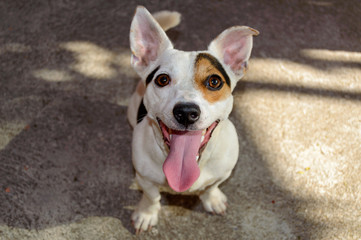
{"x": 190, "y": 202}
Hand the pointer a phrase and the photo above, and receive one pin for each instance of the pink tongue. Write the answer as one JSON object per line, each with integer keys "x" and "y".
{"x": 181, "y": 167}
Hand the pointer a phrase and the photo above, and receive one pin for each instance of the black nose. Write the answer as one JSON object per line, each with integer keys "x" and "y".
{"x": 186, "y": 113}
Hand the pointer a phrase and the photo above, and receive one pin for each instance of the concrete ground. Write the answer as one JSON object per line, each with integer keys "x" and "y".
{"x": 65, "y": 79}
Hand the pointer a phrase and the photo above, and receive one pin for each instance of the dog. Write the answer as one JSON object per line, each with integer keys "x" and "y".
{"x": 182, "y": 137}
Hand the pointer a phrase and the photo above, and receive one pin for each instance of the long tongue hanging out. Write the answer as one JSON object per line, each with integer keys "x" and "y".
{"x": 181, "y": 167}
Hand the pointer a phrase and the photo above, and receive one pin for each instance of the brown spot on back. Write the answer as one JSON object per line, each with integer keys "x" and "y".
{"x": 205, "y": 66}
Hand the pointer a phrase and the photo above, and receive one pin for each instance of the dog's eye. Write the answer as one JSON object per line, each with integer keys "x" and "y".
{"x": 214, "y": 83}
{"x": 162, "y": 80}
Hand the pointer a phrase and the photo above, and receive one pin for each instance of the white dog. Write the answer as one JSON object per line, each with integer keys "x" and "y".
{"x": 182, "y": 136}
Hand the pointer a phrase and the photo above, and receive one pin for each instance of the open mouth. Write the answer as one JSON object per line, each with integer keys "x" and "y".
{"x": 185, "y": 147}
{"x": 168, "y": 134}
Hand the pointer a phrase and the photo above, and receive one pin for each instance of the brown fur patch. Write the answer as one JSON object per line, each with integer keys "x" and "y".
{"x": 204, "y": 67}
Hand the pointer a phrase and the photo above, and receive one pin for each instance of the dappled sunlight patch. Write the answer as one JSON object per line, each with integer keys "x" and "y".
{"x": 105, "y": 72}
{"x": 97, "y": 62}
{"x": 86, "y": 228}
{"x": 308, "y": 144}
{"x": 14, "y": 48}
{"x": 52, "y": 75}
{"x": 122, "y": 60}
{"x": 289, "y": 73}
{"x": 308, "y": 133}
{"x": 9, "y": 130}
{"x": 315, "y": 167}
{"x": 91, "y": 60}
{"x": 321, "y": 3}
{"x": 331, "y": 55}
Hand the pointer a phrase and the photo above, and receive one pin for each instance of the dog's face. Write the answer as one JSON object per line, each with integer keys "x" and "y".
{"x": 187, "y": 93}
{"x": 187, "y": 90}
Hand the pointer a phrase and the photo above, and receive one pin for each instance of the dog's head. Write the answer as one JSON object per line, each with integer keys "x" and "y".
{"x": 187, "y": 93}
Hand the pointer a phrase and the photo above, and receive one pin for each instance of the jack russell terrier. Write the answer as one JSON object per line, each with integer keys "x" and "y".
{"x": 182, "y": 136}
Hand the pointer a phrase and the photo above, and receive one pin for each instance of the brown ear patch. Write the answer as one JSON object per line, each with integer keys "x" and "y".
{"x": 207, "y": 68}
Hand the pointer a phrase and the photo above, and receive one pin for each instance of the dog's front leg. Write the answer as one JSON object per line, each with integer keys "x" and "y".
{"x": 146, "y": 214}
{"x": 214, "y": 200}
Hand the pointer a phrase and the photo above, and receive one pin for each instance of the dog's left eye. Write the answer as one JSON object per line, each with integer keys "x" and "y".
{"x": 214, "y": 83}
{"x": 162, "y": 80}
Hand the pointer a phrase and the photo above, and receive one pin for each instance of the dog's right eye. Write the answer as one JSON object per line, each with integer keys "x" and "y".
{"x": 162, "y": 80}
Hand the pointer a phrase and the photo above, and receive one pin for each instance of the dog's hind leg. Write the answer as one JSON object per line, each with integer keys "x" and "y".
{"x": 146, "y": 214}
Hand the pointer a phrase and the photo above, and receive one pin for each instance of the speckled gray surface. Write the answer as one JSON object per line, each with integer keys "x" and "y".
{"x": 65, "y": 79}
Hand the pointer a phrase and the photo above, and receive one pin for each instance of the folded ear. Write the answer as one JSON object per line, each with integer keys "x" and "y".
{"x": 233, "y": 46}
{"x": 147, "y": 39}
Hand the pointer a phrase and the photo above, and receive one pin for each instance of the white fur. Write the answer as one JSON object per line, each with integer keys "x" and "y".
{"x": 151, "y": 48}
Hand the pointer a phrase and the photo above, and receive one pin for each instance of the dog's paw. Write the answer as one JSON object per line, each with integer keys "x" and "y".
{"x": 145, "y": 216}
{"x": 214, "y": 201}
{"x": 144, "y": 221}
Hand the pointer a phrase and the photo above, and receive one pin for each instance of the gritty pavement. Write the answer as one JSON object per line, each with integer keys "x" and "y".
{"x": 65, "y": 81}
